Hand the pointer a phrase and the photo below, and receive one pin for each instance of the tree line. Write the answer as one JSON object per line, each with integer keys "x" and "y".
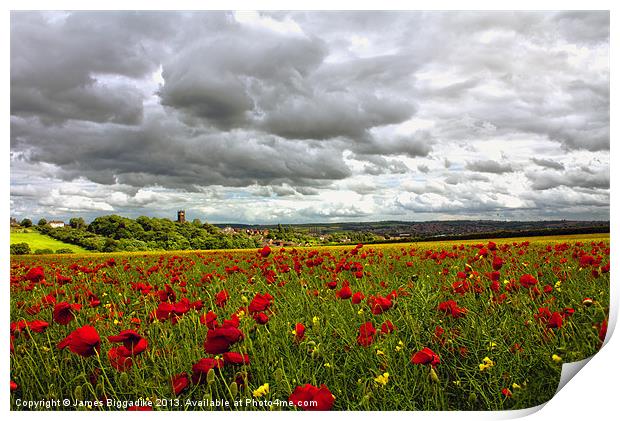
{"x": 116, "y": 233}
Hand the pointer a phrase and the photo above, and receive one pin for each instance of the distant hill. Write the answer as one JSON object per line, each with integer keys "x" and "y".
{"x": 444, "y": 229}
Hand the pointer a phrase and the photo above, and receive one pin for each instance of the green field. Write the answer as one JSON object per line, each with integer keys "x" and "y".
{"x": 459, "y": 325}
{"x": 39, "y": 241}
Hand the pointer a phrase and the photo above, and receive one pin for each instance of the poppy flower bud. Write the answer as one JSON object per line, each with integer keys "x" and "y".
{"x": 433, "y": 376}
{"x": 278, "y": 375}
{"x": 77, "y": 393}
{"x": 234, "y": 389}
{"x": 210, "y": 376}
{"x": 472, "y": 397}
{"x": 124, "y": 379}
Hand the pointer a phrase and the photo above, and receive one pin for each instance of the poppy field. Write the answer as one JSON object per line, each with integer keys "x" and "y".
{"x": 469, "y": 325}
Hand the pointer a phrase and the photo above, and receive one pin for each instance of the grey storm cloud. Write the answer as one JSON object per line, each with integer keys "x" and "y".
{"x": 117, "y": 107}
{"x": 548, "y": 163}
{"x": 490, "y": 166}
{"x": 544, "y": 180}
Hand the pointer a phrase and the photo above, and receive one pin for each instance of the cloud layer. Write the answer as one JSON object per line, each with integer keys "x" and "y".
{"x": 310, "y": 116}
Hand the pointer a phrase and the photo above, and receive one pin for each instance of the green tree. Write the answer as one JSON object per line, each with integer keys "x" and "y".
{"x": 42, "y": 222}
{"x": 20, "y": 248}
{"x": 109, "y": 245}
{"x": 26, "y": 223}
{"x": 77, "y": 223}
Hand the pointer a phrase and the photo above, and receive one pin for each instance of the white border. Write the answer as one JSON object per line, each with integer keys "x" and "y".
{"x": 591, "y": 394}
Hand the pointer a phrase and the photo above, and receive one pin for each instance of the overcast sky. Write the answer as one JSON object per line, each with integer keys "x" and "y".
{"x": 310, "y": 116}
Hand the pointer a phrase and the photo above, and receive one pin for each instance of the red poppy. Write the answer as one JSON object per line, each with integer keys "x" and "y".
{"x": 265, "y": 251}
{"x": 37, "y": 326}
{"x": 209, "y": 319}
{"x": 202, "y": 368}
{"x": 527, "y": 281}
{"x": 36, "y": 274}
{"x": 221, "y": 298}
{"x": 344, "y": 293}
{"x": 379, "y": 304}
{"x": 300, "y": 331}
{"x": 120, "y": 358}
{"x": 494, "y": 276}
{"x": 387, "y": 327}
{"x": 63, "y": 312}
{"x": 232, "y": 322}
{"x": 452, "y": 308}
{"x": 367, "y": 334}
{"x": 84, "y": 341}
{"x": 260, "y": 303}
{"x": 261, "y": 318}
{"x": 497, "y": 263}
{"x": 13, "y": 386}
{"x": 357, "y": 298}
{"x": 132, "y": 341}
{"x": 602, "y": 332}
{"x": 221, "y": 338}
{"x": 140, "y": 408}
{"x": 164, "y": 310}
{"x": 555, "y": 321}
{"x": 236, "y": 358}
{"x": 312, "y": 398}
{"x": 506, "y": 392}
{"x": 425, "y": 356}
{"x": 180, "y": 382}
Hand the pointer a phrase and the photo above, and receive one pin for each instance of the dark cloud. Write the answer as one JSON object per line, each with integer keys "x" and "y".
{"x": 544, "y": 180}
{"x": 79, "y": 65}
{"x": 490, "y": 166}
{"x": 548, "y": 163}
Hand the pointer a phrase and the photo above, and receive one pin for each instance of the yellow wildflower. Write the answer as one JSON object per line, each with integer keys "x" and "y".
{"x": 556, "y": 358}
{"x": 486, "y": 364}
{"x": 400, "y": 346}
{"x": 261, "y": 391}
{"x": 382, "y": 379}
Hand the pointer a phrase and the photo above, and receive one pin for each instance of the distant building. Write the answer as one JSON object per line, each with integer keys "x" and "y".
{"x": 228, "y": 230}
{"x": 14, "y": 222}
{"x": 181, "y": 216}
{"x": 56, "y": 224}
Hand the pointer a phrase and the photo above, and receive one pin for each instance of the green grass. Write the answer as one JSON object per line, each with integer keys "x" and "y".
{"x": 37, "y": 241}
